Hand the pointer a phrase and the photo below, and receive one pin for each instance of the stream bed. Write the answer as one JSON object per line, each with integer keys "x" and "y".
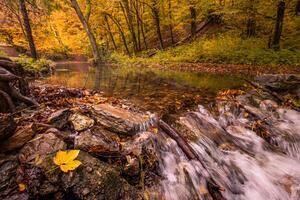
{"x": 159, "y": 91}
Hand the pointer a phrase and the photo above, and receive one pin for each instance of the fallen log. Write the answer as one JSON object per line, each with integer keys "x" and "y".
{"x": 191, "y": 155}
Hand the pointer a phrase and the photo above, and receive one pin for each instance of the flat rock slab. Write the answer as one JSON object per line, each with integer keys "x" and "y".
{"x": 119, "y": 120}
{"x": 21, "y": 137}
{"x": 81, "y": 122}
{"x": 7, "y": 127}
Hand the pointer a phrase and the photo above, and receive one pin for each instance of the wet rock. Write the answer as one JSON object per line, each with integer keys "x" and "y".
{"x": 268, "y": 105}
{"x": 7, "y": 126}
{"x": 59, "y": 119}
{"x": 132, "y": 168}
{"x": 39, "y": 148}
{"x": 81, "y": 122}
{"x": 280, "y": 82}
{"x": 93, "y": 179}
{"x": 22, "y": 135}
{"x": 119, "y": 120}
{"x": 8, "y": 167}
{"x": 96, "y": 142}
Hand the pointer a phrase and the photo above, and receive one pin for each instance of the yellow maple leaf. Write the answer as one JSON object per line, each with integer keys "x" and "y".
{"x": 22, "y": 187}
{"x": 65, "y": 160}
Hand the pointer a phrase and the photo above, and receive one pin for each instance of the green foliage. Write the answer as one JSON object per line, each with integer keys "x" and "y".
{"x": 223, "y": 48}
{"x": 56, "y": 54}
{"x": 3, "y": 54}
{"x": 30, "y": 65}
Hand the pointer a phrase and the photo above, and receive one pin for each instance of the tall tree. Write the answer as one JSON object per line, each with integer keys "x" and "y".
{"x": 298, "y": 7}
{"x": 193, "y": 14}
{"x": 129, "y": 20}
{"x": 92, "y": 39}
{"x": 278, "y": 25}
{"x": 27, "y": 27}
{"x": 155, "y": 12}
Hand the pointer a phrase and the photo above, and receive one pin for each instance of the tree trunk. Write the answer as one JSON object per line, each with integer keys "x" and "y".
{"x": 251, "y": 27}
{"x": 28, "y": 29}
{"x": 98, "y": 62}
{"x": 193, "y": 20}
{"x": 171, "y": 22}
{"x": 156, "y": 17}
{"x": 298, "y": 7}
{"x": 88, "y": 9}
{"x": 121, "y": 32}
{"x": 129, "y": 19}
{"x": 278, "y": 26}
{"x": 251, "y": 23}
{"x": 109, "y": 32}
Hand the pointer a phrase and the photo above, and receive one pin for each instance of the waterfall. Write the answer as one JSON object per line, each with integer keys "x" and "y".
{"x": 241, "y": 161}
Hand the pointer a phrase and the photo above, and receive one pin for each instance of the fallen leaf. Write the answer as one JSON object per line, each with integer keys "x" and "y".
{"x": 22, "y": 187}
{"x": 65, "y": 160}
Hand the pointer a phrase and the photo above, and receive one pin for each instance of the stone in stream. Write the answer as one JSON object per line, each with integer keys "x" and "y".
{"x": 97, "y": 141}
{"x": 81, "y": 122}
{"x": 119, "y": 120}
{"x": 280, "y": 82}
{"x": 21, "y": 137}
{"x": 7, "y": 126}
{"x": 59, "y": 119}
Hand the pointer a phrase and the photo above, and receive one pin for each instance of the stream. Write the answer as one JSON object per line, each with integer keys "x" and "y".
{"x": 159, "y": 91}
{"x": 245, "y": 156}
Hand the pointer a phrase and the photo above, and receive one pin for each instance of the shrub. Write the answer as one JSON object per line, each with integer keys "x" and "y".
{"x": 34, "y": 66}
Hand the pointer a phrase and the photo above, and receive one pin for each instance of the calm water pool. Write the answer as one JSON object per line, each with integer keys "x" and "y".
{"x": 151, "y": 89}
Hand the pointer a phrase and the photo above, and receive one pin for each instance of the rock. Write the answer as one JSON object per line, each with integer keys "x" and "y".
{"x": 97, "y": 142}
{"x": 119, "y": 120}
{"x": 22, "y": 135}
{"x": 7, "y": 126}
{"x": 81, "y": 122}
{"x": 39, "y": 148}
{"x": 93, "y": 180}
{"x": 268, "y": 105}
{"x": 59, "y": 119}
{"x": 8, "y": 168}
{"x": 280, "y": 82}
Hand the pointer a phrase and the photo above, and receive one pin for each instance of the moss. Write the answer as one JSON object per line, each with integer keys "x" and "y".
{"x": 34, "y": 66}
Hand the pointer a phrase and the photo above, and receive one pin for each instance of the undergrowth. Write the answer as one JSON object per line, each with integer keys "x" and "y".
{"x": 227, "y": 48}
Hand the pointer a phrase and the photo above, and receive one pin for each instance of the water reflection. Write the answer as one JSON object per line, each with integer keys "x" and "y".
{"x": 152, "y": 89}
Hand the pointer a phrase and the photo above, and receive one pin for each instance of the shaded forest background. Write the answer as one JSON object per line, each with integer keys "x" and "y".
{"x": 219, "y": 31}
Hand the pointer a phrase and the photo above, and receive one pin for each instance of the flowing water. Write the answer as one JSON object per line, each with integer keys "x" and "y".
{"x": 243, "y": 164}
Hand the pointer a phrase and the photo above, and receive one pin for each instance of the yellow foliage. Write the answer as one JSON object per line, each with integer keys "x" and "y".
{"x": 65, "y": 160}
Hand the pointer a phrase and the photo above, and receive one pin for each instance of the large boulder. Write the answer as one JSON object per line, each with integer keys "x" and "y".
{"x": 40, "y": 147}
{"x": 92, "y": 180}
{"x": 119, "y": 120}
{"x": 22, "y": 135}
